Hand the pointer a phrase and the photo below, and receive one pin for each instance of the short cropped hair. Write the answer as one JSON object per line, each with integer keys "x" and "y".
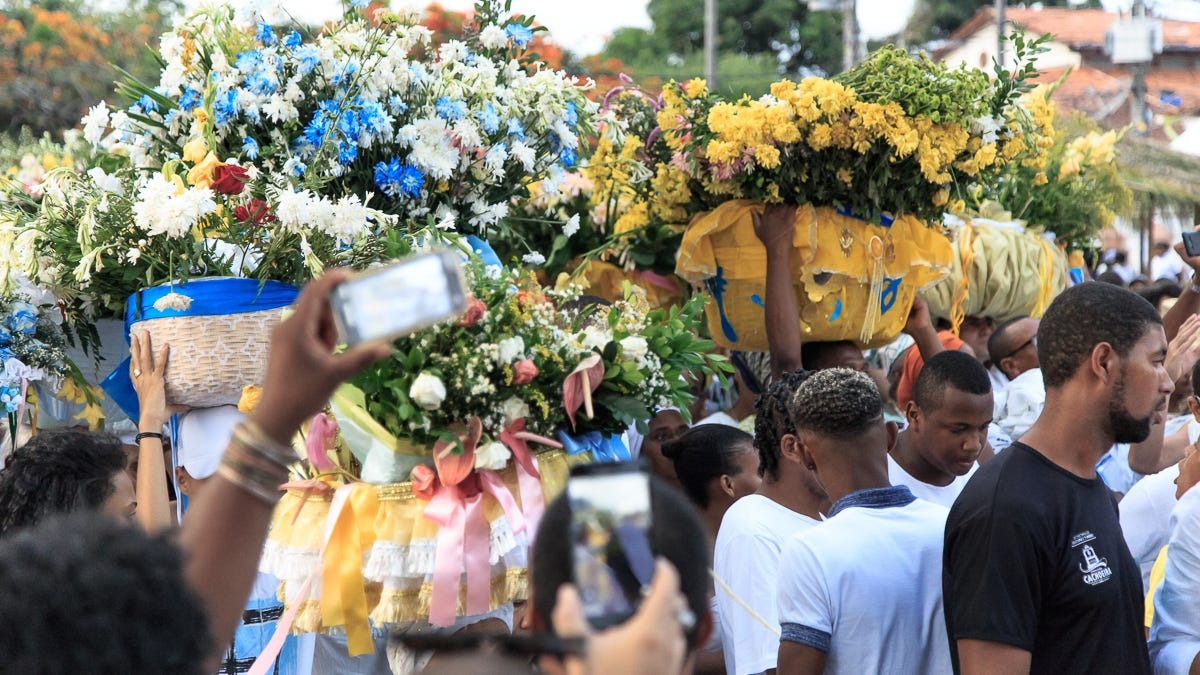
{"x": 1000, "y": 344}
{"x": 950, "y": 369}
{"x": 58, "y": 472}
{"x": 1082, "y": 317}
{"x": 772, "y": 421}
{"x": 676, "y": 534}
{"x": 704, "y": 454}
{"x": 84, "y": 593}
{"x": 837, "y": 403}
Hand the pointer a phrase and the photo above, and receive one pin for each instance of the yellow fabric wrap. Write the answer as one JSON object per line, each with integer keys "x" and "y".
{"x": 605, "y": 280}
{"x": 343, "y": 594}
{"x": 853, "y": 280}
{"x": 1008, "y": 273}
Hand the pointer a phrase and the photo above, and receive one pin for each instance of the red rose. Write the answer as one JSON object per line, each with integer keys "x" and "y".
{"x": 256, "y": 212}
{"x": 524, "y": 371}
{"x": 229, "y": 179}
{"x": 475, "y": 311}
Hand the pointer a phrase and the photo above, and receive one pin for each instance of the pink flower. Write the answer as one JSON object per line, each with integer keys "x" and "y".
{"x": 524, "y": 371}
{"x": 475, "y": 311}
{"x": 424, "y": 482}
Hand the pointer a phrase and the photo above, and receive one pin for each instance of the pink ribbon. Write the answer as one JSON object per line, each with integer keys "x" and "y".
{"x": 321, "y": 434}
{"x": 494, "y": 486}
{"x": 462, "y": 544}
{"x": 656, "y": 279}
{"x": 528, "y": 475}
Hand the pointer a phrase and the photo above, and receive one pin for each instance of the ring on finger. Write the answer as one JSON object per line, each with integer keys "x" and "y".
{"x": 686, "y": 618}
{"x": 137, "y": 373}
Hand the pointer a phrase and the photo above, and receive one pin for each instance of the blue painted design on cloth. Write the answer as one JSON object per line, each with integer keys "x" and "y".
{"x": 805, "y": 635}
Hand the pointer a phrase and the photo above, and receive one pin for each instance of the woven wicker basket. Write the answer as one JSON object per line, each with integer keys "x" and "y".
{"x": 213, "y": 357}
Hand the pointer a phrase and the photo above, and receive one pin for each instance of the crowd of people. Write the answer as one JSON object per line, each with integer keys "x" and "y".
{"x": 997, "y": 499}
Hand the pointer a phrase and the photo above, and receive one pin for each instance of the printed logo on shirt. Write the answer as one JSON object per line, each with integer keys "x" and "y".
{"x": 1095, "y": 569}
{"x": 1082, "y": 538}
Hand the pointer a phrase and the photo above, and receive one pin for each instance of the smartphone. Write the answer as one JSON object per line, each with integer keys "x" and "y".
{"x": 1191, "y": 243}
{"x": 612, "y": 557}
{"x": 401, "y": 298}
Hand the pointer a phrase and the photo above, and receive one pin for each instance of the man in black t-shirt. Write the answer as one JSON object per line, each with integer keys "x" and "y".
{"x": 1037, "y": 577}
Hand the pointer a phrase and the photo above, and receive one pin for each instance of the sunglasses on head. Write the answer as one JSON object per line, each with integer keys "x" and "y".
{"x": 1030, "y": 341}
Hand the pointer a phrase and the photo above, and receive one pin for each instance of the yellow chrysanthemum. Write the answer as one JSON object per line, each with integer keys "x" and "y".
{"x": 695, "y": 87}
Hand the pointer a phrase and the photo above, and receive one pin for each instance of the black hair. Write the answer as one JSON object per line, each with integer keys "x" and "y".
{"x": 814, "y": 354}
{"x": 1000, "y": 344}
{"x": 84, "y": 593}
{"x": 676, "y": 534}
{"x": 704, "y": 454}
{"x": 1111, "y": 277}
{"x": 946, "y": 370}
{"x": 837, "y": 403}
{"x": 1082, "y": 317}
{"x": 1157, "y": 291}
{"x": 1196, "y": 378}
{"x": 772, "y": 421}
{"x": 58, "y": 472}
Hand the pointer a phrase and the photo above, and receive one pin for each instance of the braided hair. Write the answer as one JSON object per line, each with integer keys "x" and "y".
{"x": 772, "y": 421}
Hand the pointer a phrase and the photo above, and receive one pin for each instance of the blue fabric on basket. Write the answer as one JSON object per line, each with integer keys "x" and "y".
{"x": 603, "y": 448}
{"x": 484, "y": 251}
{"x": 210, "y": 297}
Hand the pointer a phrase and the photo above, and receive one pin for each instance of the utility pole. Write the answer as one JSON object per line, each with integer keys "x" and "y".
{"x": 849, "y": 34}
{"x": 710, "y": 43}
{"x": 1137, "y": 103}
{"x": 1001, "y": 5}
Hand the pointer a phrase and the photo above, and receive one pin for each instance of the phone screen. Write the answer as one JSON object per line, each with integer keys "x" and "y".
{"x": 613, "y": 560}
{"x": 407, "y": 295}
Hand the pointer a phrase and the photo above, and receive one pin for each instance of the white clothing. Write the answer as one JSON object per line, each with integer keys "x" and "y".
{"x": 1114, "y": 469}
{"x": 867, "y": 585}
{"x": 1175, "y": 634}
{"x": 1146, "y": 518}
{"x": 997, "y": 438}
{"x": 1021, "y": 404}
{"x": 720, "y": 417}
{"x": 999, "y": 380}
{"x": 746, "y": 558}
{"x": 1166, "y": 266}
{"x": 944, "y": 495}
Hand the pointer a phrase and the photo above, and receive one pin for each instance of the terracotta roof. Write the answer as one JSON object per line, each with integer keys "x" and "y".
{"x": 1088, "y": 90}
{"x": 1078, "y": 28}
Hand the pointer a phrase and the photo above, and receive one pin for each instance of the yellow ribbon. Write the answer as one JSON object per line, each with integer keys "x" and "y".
{"x": 966, "y": 251}
{"x": 1045, "y": 280}
{"x": 343, "y": 595}
{"x": 351, "y": 404}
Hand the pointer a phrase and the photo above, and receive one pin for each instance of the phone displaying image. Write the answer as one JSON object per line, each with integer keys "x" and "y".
{"x": 401, "y": 298}
{"x": 611, "y": 552}
{"x": 1191, "y": 243}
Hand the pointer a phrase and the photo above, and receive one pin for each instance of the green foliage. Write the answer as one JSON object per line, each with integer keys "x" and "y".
{"x": 920, "y": 86}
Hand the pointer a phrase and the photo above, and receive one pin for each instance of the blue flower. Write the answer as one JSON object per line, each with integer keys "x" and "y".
{"x": 568, "y": 157}
{"x": 373, "y": 118}
{"x": 315, "y": 131}
{"x": 488, "y": 119}
{"x": 147, "y": 104}
{"x": 225, "y": 107}
{"x": 450, "y": 109}
{"x": 5, "y": 336}
{"x": 190, "y": 99}
{"x": 571, "y": 115}
{"x": 516, "y": 129}
{"x": 264, "y": 34}
{"x": 5, "y": 355}
{"x": 297, "y": 167}
{"x": 262, "y": 83}
{"x": 248, "y": 61}
{"x": 347, "y": 153}
{"x": 309, "y": 58}
{"x": 250, "y": 148}
{"x": 293, "y": 40}
{"x": 520, "y": 35}
{"x": 398, "y": 105}
{"x": 397, "y": 179}
{"x": 23, "y": 318}
{"x": 10, "y": 399}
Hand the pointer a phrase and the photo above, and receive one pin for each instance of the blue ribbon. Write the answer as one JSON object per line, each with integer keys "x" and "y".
{"x": 484, "y": 251}
{"x": 210, "y": 297}
{"x": 603, "y": 448}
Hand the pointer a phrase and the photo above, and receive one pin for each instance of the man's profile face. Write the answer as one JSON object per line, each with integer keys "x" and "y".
{"x": 975, "y": 331}
{"x": 952, "y": 434}
{"x": 1142, "y": 388}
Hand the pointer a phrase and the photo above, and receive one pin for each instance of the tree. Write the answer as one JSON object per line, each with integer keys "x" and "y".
{"x": 744, "y": 26}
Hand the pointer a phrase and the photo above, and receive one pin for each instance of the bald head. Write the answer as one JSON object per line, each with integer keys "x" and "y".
{"x": 1012, "y": 346}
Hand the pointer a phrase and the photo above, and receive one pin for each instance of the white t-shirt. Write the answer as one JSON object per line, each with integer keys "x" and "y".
{"x": 746, "y": 558}
{"x": 930, "y": 493}
{"x": 1166, "y": 266}
{"x": 865, "y": 586}
{"x": 1146, "y": 517}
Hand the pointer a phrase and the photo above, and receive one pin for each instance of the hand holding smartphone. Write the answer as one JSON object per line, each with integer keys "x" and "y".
{"x": 401, "y": 298}
{"x": 611, "y": 551}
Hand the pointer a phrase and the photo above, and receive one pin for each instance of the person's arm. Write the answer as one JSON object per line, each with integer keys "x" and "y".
{"x": 1188, "y": 302}
{"x": 798, "y": 659}
{"x": 775, "y": 227}
{"x": 1146, "y": 457}
{"x": 1155, "y": 454}
{"x": 920, "y": 328}
{"x": 978, "y": 657}
{"x": 224, "y": 534}
{"x": 153, "y": 501}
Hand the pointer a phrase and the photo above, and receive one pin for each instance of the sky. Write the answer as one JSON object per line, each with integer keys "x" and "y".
{"x": 584, "y": 27}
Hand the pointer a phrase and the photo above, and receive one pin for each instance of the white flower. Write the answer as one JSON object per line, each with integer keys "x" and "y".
{"x": 15, "y": 371}
{"x": 634, "y": 347}
{"x": 511, "y": 349}
{"x": 491, "y": 457}
{"x": 493, "y": 37}
{"x": 533, "y": 258}
{"x": 159, "y": 210}
{"x": 106, "y": 182}
{"x": 95, "y": 122}
{"x": 175, "y": 301}
{"x": 427, "y": 391}
{"x": 523, "y": 154}
{"x": 494, "y": 160}
{"x": 571, "y": 226}
{"x": 514, "y": 409}
{"x": 595, "y": 337}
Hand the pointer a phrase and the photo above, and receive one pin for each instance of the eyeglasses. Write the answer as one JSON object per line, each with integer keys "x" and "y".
{"x": 1031, "y": 341}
